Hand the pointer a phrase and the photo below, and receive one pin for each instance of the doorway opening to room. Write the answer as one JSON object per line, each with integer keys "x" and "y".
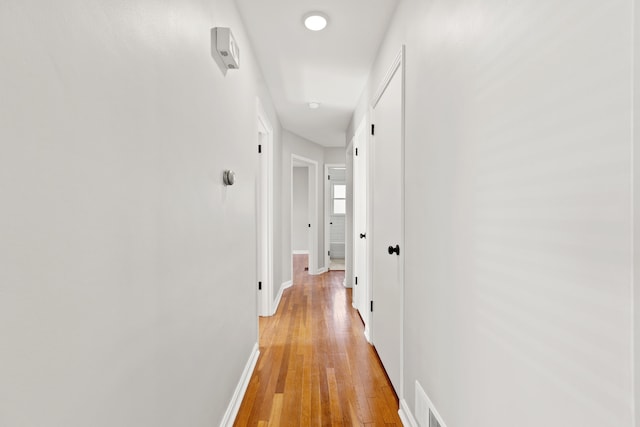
{"x": 304, "y": 213}
{"x": 300, "y": 215}
{"x": 335, "y": 216}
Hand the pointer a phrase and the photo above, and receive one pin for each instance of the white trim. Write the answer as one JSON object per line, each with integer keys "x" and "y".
{"x": 635, "y": 391}
{"x": 370, "y": 237}
{"x": 327, "y": 211}
{"x": 362, "y": 296}
{"x": 406, "y": 416}
{"x": 348, "y": 226}
{"x": 403, "y": 68}
{"x": 234, "y": 406}
{"x": 313, "y": 209}
{"x": 276, "y": 303}
{"x": 327, "y": 244}
{"x": 300, "y": 252}
{"x": 265, "y": 251}
{"x": 398, "y": 60}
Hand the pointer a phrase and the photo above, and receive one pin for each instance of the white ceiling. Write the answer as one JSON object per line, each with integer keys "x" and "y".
{"x": 328, "y": 66}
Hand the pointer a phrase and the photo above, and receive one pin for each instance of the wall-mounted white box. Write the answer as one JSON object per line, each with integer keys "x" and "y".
{"x": 224, "y": 49}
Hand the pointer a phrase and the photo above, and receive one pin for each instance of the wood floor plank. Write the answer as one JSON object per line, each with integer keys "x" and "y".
{"x": 353, "y": 416}
{"x": 315, "y": 366}
{"x": 276, "y": 410}
{"x": 334, "y": 398}
{"x": 305, "y": 397}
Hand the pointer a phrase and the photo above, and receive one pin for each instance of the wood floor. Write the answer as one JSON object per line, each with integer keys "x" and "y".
{"x": 315, "y": 366}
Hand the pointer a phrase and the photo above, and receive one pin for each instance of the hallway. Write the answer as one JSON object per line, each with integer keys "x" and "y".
{"x": 315, "y": 366}
{"x": 491, "y": 209}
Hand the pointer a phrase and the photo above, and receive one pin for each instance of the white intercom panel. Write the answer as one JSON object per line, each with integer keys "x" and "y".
{"x": 226, "y": 49}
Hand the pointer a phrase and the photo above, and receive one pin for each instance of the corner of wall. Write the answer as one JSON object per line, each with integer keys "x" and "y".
{"x": 276, "y": 302}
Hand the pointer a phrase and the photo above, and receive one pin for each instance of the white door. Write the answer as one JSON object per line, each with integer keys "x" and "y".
{"x": 360, "y": 255}
{"x": 264, "y": 214}
{"x": 264, "y": 282}
{"x": 387, "y": 225}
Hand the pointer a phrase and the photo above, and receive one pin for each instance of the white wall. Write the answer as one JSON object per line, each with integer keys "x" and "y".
{"x": 127, "y": 279}
{"x": 518, "y": 293}
{"x": 636, "y": 210}
{"x": 335, "y": 155}
{"x": 300, "y": 202}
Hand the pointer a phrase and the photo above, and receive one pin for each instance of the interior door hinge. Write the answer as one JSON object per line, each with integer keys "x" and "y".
{"x": 259, "y": 286}
{"x": 373, "y": 129}
{"x": 372, "y": 306}
{"x": 329, "y": 177}
{"x": 328, "y": 253}
{"x": 259, "y": 148}
{"x": 356, "y": 280}
{"x": 356, "y": 151}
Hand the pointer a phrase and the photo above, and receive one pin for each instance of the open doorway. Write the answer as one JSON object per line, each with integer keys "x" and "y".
{"x": 335, "y": 216}
{"x": 300, "y": 214}
{"x": 304, "y": 211}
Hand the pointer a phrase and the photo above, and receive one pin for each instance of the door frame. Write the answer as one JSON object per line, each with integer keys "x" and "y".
{"x": 397, "y": 66}
{"x": 327, "y": 213}
{"x": 313, "y": 211}
{"x": 264, "y": 187}
{"x": 361, "y": 140}
{"x": 348, "y": 226}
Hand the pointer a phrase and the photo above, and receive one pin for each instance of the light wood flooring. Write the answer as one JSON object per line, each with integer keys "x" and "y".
{"x": 315, "y": 366}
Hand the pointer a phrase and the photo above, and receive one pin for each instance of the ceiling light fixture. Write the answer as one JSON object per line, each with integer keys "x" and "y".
{"x": 315, "y": 21}
{"x": 314, "y": 105}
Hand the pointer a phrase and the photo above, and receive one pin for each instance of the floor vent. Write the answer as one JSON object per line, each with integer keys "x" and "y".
{"x": 426, "y": 414}
{"x": 422, "y": 406}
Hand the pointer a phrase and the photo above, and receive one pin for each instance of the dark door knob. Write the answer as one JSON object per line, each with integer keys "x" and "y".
{"x": 363, "y": 235}
{"x": 392, "y": 250}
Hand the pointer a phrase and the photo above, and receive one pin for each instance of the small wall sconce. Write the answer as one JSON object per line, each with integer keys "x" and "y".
{"x": 228, "y": 177}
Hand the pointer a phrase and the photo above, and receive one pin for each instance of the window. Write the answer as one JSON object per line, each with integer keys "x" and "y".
{"x": 339, "y": 199}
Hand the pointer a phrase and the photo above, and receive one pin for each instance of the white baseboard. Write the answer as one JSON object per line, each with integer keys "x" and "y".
{"x": 367, "y": 333}
{"x": 276, "y": 304}
{"x": 320, "y": 271}
{"x": 300, "y": 252}
{"x": 241, "y": 388}
{"x": 406, "y": 416}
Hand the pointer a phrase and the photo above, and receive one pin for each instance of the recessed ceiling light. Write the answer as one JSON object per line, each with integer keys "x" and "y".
{"x": 315, "y": 21}
{"x": 314, "y": 105}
